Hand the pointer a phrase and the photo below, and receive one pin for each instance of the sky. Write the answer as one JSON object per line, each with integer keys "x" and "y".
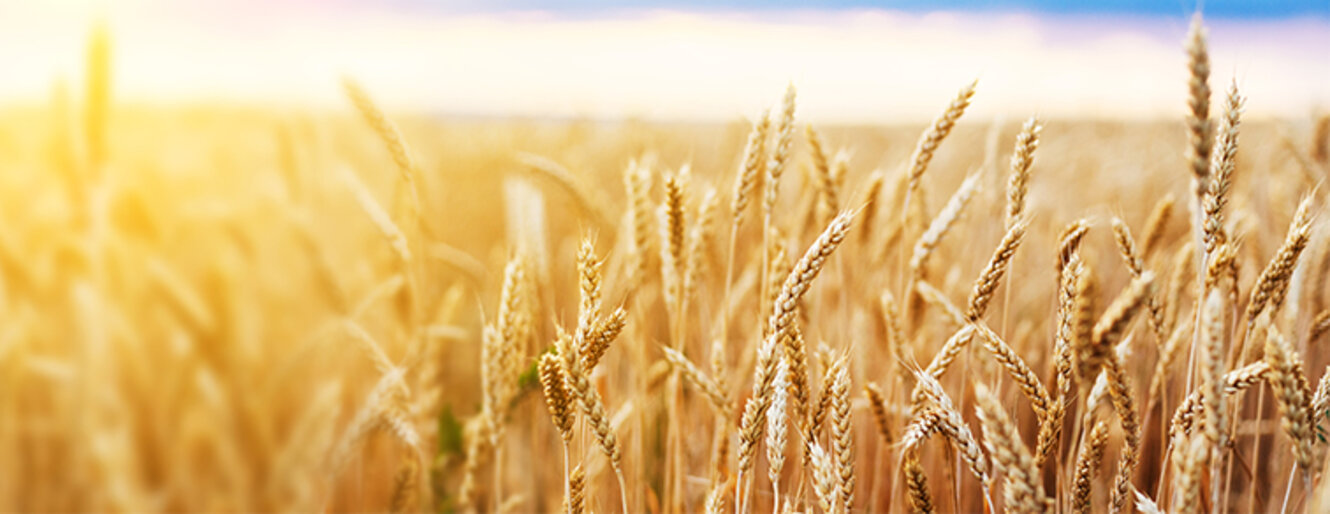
{"x": 852, "y": 61}
{"x": 1214, "y": 8}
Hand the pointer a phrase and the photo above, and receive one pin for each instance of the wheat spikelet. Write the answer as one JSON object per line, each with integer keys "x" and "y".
{"x": 842, "y": 440}
{"x": 791, "y": 292}
{"x": 895, "y": 335}
{"x": 390, "y": 231}
{"x": 753, "y": 167}
{"x": 1088, "y": 356}
{"x": 1199, "y": 126}
{"x": 776, "y": 417}
{"x": 938, "y": 299}
{"x": 1211, "y": 372}
{"x": 374, "y": 414}
{"x": 1188, "y": 466}
{"x": 824, "y": 481}
{"x": 1221, "y": 170}
{"x": 1145, "y": 504}
{"x": 1087, "y": 467}
{"x": 501, "y": 360}
{"x": 1021, "y": 159}
{"x": 1168, "y": 354}
{"x": 778, "y": 267}
{"x": 877, "y": 404}
{"x": 1068, "y": 282}
{"x": 672, "y": 238}
{"x": 699, "y": 379}
{"x": 1234, "y": 381}
{"x": 869, "y": 204}
{"x": 916, "y": 484}
{"x": 780, "y": 155}
{"x": 1182, "y": 279}
{"x": 406, "y": 488}
{"x": 1119, "y": 389}
{"x": 1136, "y": 264}
{"x": 942, "y": 223}
{"x": 1273, "y": 283}
{"x": 1070, "y": 241}
{"x": 924, "y": 423}
{"x": 1119, "y": 314}
{"x": 602, "y": 333}
{"x": 637, "y": 185}
{"x": 392, "y": 138}
{"x": 589, "y": 289}
{"x": 1321, "y": 398}
{"x": 950, "y": 350}
{"x": 992, "y": 274}
{"x": 826, "y": 183}
{"x": 579, "y": 387}
{"x": 556, "y": 173}
{"x": 1321, "y": 141}
{"x": 753, "y": 421}
{"x": 1223, "y": 264}
{"x": 556, "y": 396}
{"x": 1050, "y": 432}
{"x": 1295, "y": 397}
{"x": 1155, "y": 225}
{"x": 495, "y": 385}
{"x": 716, "y": 499}
{"x": 575, "y": 503}
{"x": 1320, "y": 324}
{"x": 1025, "y": 378}
{"x": 1023, "y": 492}
{"x": 796, "y": 359}
{"x": 830, "y": 368}
{"x": 933, "y": 136}
{"x": 949, "y": 423}
{"x": 699, "y": 244}
{"x": 1127, "y": 247}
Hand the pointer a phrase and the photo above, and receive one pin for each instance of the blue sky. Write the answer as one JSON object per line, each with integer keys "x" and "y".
{"x": 1212, "y": 8}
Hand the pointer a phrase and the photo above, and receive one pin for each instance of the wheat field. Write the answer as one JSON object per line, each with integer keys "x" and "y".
{"x": 260, "y": 310}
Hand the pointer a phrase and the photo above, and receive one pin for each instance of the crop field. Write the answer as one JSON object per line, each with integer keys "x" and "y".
{"x": 212, "y": 309}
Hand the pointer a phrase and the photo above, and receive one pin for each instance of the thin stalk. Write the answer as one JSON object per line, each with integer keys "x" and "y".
{"x": 1288, "y": 488}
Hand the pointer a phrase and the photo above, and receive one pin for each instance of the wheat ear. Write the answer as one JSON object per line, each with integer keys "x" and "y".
{"x": 1024, "y": 493}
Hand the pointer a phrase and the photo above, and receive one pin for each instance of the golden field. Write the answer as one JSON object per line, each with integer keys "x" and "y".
{"x": 230, "y": 309}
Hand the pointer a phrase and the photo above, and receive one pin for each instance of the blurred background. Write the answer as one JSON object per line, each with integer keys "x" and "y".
{"x": 858, "y": 61}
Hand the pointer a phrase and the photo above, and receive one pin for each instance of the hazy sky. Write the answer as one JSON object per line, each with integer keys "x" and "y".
{"x": 1214, "y": 8}
{"x": 856, "y": 61}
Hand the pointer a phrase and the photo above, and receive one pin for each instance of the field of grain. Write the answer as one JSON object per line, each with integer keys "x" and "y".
{"x": 212, "y": 309}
